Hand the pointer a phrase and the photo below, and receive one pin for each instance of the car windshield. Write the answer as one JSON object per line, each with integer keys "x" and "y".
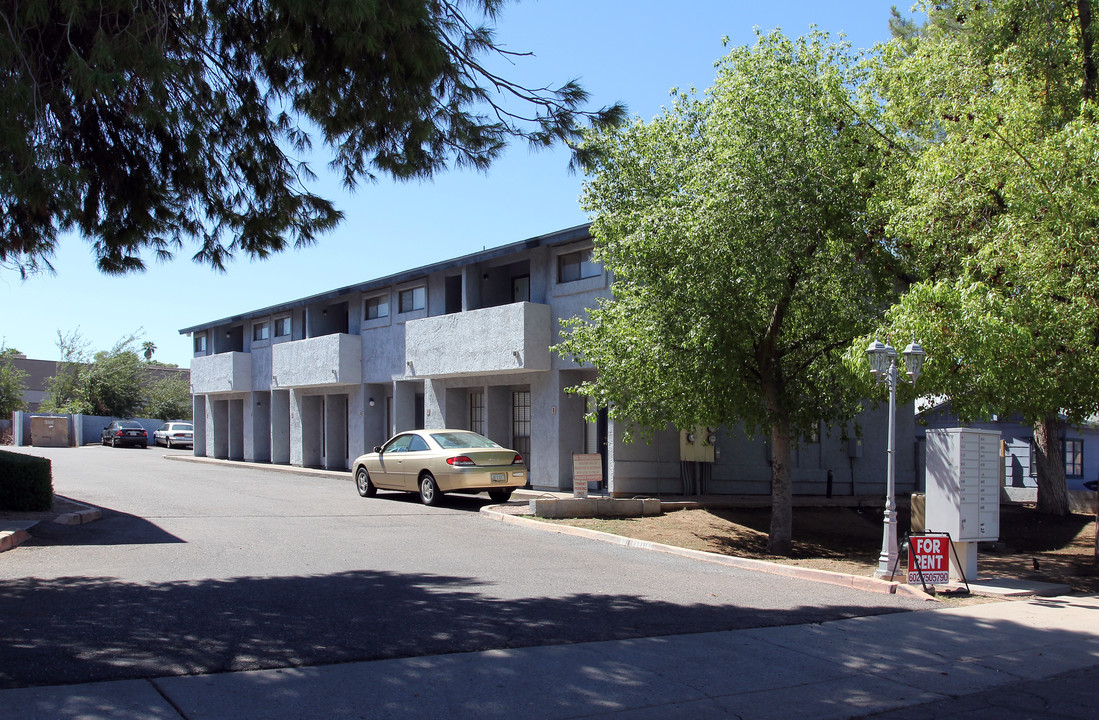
{"x": 452, "y": 440}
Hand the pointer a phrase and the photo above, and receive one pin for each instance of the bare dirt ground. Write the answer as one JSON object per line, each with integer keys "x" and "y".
{"x": 1032, "y": 546}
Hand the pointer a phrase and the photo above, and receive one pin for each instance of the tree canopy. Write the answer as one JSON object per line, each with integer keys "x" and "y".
{"x": 12, "y": 383}
{"x": 150, "y": 125}
{"x": 743, "y": 258}
{"x": 994, "y": 103}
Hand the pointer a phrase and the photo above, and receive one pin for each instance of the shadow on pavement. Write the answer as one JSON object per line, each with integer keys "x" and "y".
{"x": 81, "y": 629}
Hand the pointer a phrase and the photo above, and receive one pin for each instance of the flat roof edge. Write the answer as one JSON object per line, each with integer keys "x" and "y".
{"x": 559, "y": 237}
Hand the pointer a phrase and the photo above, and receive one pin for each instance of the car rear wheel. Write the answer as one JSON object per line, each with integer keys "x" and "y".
{"x": 114, "y": 443}
{"x": 500, "y": 495}
{"x": 430, "y": 494}
{"x": 363, "y": 484}
{"x": 168, "y": 443}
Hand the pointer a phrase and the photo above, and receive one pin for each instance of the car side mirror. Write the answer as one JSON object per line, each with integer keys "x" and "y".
{"x": 377, "y": 448}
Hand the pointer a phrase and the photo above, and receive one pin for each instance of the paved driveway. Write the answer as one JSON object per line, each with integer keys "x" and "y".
{"x": 199, "y": 568}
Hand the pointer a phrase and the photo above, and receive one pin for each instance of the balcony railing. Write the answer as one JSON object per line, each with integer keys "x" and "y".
{"x": 223, "y": 372}
{"x": 504, "y": 339}
{"x": 326, "y": 360}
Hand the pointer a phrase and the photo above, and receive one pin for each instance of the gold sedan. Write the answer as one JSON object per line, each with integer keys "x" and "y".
{"x": 434, "y": 462}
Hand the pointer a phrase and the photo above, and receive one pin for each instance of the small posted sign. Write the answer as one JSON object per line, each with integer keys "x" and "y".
{"x": 929, "y": 556}
{"x": 585, "y": 469}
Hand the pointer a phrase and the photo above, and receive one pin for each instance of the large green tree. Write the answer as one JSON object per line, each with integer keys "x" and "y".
{"x": 145, "y": 125}
{"x": 996, "y": 196}
{"x": 168, "y": 398}
{"x": 735, "y": 227}
{"x": 114, "y": 383}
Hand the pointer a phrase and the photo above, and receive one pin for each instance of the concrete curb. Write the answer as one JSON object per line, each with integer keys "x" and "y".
{"x": 89, "y": 514}
{"x": 856, "y": 582}
{"x": 11, "y": 539}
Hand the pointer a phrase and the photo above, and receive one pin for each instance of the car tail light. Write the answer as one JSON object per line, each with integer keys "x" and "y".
{"x": 118, "y": 433}
{"x": 518, "y": 459}
{"x": 144, "y": 434}
{"x": 460, "y": 461}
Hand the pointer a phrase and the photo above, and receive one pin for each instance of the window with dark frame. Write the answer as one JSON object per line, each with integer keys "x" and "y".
{"x": 1073, "y": 451}
{"x": 282, "y": 327}
{"x": 477, "y": 412}
{"x": 1074, "y": 458}
{"x": 576, "y": 265}
{"x": 376, "y": 307}
{"x": 260, "y": 332}
{"x": 411, "y": 299}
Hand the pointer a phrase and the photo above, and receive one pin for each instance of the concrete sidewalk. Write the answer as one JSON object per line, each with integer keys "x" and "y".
{"x": 841, "y": 669}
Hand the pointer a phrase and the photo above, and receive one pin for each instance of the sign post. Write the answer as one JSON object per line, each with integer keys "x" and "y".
{"x": 929, "y": 559}
{"x": 585, "y": 469}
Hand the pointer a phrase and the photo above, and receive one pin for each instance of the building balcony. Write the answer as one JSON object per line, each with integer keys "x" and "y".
{"x": 223, "y": 372}
{"x": 511, "y": 338}
{"x": 326, "y": 360}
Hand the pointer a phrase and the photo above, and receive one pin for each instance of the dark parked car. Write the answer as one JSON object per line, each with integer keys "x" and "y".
{"x": 125, "y": 432}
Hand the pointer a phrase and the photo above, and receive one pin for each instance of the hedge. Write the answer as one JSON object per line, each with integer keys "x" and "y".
{"x": 26, "y": 483}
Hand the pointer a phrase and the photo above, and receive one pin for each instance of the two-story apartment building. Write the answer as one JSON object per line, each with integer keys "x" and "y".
{"x": 466, "y": 343}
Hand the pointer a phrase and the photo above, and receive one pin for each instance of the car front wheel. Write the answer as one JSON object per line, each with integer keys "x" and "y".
{"x": 363, "y": 484}
{"x": 430, "y": 494}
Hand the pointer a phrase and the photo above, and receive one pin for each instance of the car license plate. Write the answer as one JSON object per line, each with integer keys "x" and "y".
{"x": 499, "y": 477}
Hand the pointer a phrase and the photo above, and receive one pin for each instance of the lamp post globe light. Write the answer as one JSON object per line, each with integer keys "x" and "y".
{"x": 883, "y": 366}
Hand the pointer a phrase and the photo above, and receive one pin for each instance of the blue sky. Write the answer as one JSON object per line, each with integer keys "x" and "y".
{"x": 634, "y": 51}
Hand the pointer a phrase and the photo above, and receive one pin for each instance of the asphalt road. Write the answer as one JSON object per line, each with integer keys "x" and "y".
{"x": 199, "y": 568}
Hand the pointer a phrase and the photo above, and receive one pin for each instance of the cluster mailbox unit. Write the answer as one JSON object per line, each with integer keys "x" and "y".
{"x": 963, "y": 490}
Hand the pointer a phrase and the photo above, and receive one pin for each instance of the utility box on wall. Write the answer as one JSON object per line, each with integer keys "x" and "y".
{"x": 963, "y": 483}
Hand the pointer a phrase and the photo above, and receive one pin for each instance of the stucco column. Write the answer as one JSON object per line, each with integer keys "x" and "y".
{"x": 545, "y": 433}
{"x": 356, "y": 421}
{"x": 435, "y": 404}
{"x": 498, "y": 414}
{"x": 198, "y": 410}
{"x": 404, "y": 405}
{"x": 296, "y": 458}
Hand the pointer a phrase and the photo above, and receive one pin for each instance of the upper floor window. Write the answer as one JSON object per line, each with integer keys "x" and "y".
{"x": 376, "y": 307}
{"x": 412, "y": 299}
{"x": 576, "y": 266}
{"x": 260, "y": 331}
{"x": 200, "y": 343}
{"x": 282, "y": 327}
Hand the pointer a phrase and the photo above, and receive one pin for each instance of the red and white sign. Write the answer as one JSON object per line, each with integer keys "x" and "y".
{"x": 585, "y": 469}
{"x": 929, "y": 555}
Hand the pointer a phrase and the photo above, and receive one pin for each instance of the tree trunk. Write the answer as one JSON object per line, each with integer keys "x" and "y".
{"x": 780, "y": 539}
{"x": 1091, "y": 76}
{"x": 1052, "y": 490}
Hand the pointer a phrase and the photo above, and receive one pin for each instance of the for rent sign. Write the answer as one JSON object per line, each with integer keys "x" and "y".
{"x": 929, "y": 555}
